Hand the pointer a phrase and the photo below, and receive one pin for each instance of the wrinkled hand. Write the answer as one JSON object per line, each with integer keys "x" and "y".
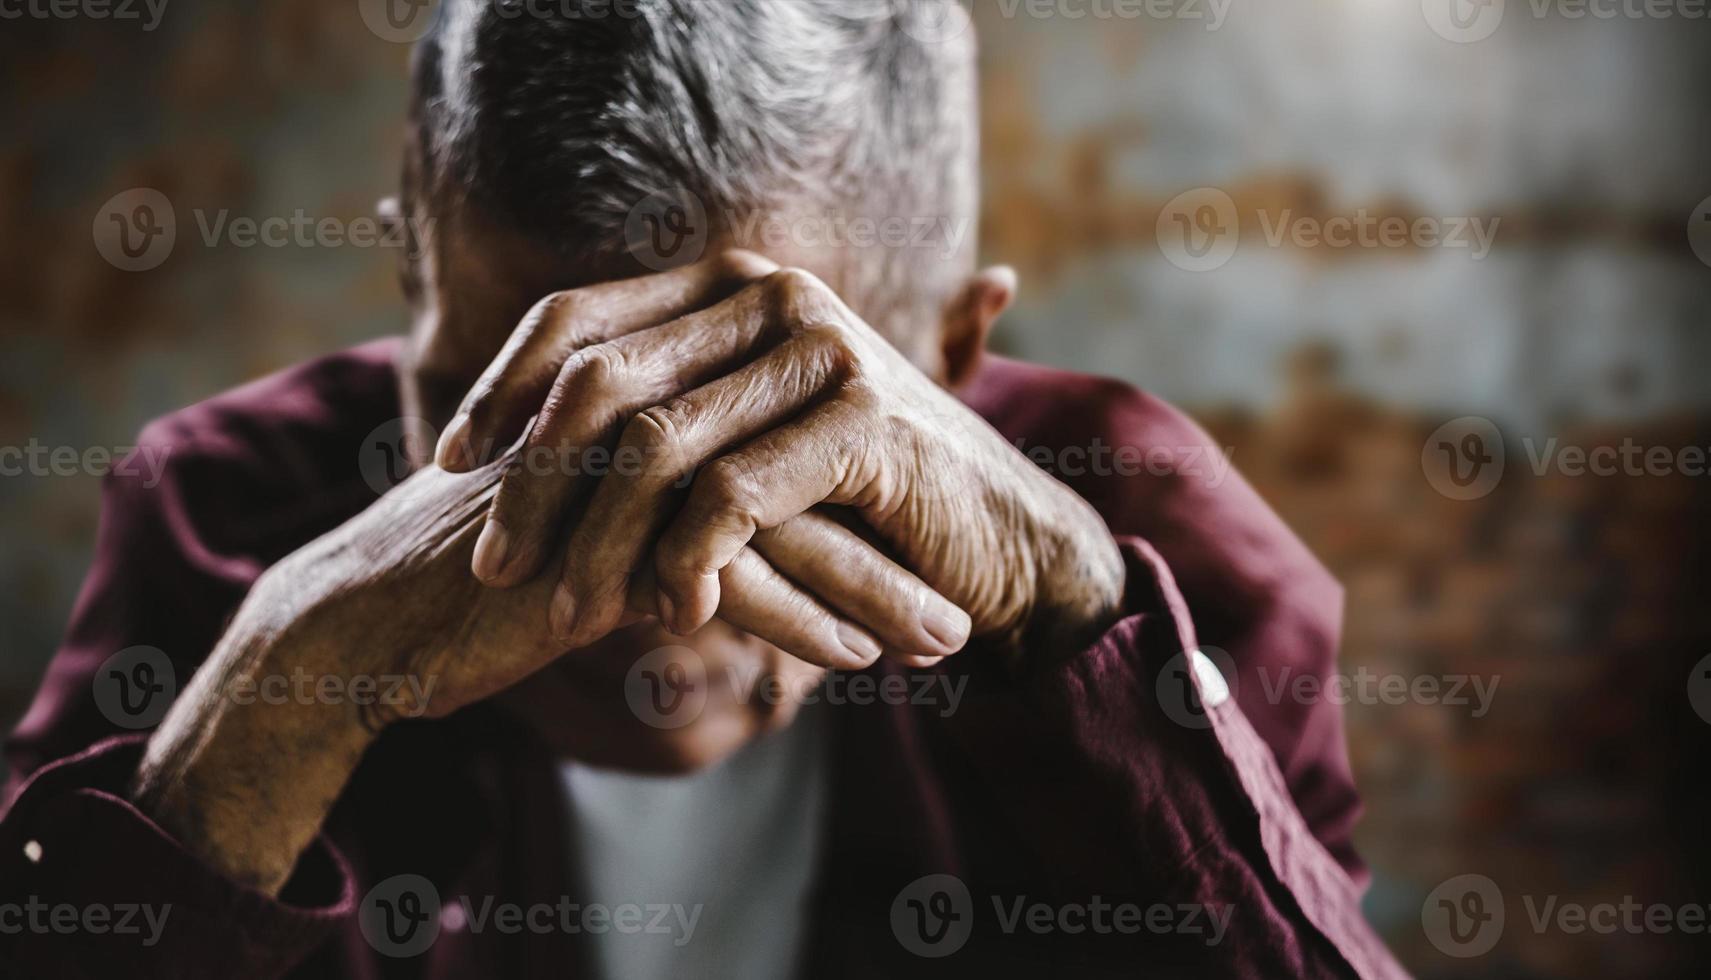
{"x": 743, "y": 396}
{"x": 389, "y": 594}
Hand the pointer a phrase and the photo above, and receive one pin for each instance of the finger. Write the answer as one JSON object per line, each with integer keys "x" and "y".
{"x": 597, "y": 390}
{"x": 758, "y": 590}
{"x": 819, "y": 458}
{"x": 764, "y": 603}
{"x": 513, "y": 386}
{"x": 629, "y": 508}
{"x": 854, "y": 578}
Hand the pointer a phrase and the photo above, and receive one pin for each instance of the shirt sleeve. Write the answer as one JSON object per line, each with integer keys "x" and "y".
{"x": 81, "y": 869}
{"x": 1134, "y": 774}
{"x": 92, "y": 888}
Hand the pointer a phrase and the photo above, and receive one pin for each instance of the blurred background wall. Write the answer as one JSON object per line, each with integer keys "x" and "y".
{"x": 1164, "y": 175}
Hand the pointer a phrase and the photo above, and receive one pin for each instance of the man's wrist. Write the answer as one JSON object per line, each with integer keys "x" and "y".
{"x": 243, "y": 770}
{"x": 1081, "y": 586}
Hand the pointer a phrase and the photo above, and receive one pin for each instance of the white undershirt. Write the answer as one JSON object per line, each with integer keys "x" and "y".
{"x": 740, "y": 840}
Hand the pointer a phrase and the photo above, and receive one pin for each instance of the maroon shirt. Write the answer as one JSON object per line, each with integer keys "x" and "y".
{"x": 1079, "y": 783}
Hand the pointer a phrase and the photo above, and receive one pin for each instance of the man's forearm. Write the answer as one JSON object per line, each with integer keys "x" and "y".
{"x": 245, "y": 783}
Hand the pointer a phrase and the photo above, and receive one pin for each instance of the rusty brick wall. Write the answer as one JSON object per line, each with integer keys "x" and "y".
{"x": 257, "y": 109}
{"x": 1326, "y": 369}
{"x": 1578, "y": 597}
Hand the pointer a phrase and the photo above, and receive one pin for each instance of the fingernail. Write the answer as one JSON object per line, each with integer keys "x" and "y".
{"x": 950, "y": 631}
{"x": 451, "y": 451}
{"x": 562, "y": 616}
{"x": 490, "y": 550}
{"x": 667, "y": 611}
{"x": 863, "y": 647}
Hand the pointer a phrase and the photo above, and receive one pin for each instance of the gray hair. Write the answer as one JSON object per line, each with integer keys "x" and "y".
{"x": 562, "y": 115}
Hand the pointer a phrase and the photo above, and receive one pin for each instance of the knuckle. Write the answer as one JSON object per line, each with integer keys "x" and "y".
{"x": 552, "y": 310}
{"x": 479, "y": 403}
{"x": 596, "y": 370}
{"x": 590, "y": 381}
{"x": 569, "y": 319}
{"x": 738, "y": 265}
{"x": 861, "y": 396}
{"x": 828, "y": 335}
{"x": 833, "y": 343}
{"x": 725, "y": 486}
{"x": 657, "y": 435}
{"x": 795, "y": 285}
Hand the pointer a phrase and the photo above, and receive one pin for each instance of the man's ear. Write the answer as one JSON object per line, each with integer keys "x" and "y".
{"x": 969, "y": 319}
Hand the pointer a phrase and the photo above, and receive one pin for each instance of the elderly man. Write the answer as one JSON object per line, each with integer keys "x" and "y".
{"x": 734, "y": 627}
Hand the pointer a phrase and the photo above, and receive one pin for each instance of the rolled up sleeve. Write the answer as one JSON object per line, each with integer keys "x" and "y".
{"x": 90, "y": 887}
